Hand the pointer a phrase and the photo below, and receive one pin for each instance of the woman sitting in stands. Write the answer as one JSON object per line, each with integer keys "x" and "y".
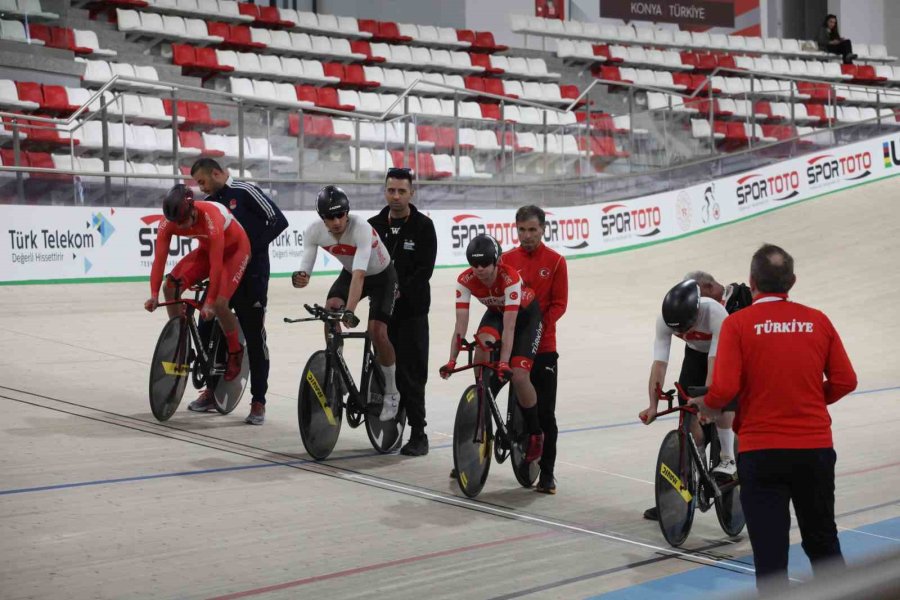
{"x": 830, "y": 40}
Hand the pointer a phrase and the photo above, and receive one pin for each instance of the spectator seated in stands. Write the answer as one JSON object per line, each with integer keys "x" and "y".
{"x": 830, "y": 40}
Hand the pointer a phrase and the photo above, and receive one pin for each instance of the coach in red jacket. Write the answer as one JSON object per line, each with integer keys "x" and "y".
{"x": 544, "y": 271}
{"x": 774, "y": 354}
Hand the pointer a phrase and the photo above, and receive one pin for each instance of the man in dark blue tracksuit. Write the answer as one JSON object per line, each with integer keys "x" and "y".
{"x": 263, "y": 222}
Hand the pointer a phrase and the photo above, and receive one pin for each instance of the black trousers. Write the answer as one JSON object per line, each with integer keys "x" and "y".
{"x": 543, "y": 378}
{"x": 249, "y": 304}
{"x": 409, "y": 337}
{"x": 842, "y": 48}
{"x": 770, "y": 481}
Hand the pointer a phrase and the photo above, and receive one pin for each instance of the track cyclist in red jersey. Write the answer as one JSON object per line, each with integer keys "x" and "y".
{"x": 222, "y": 256}
{"x": 510, "y": 307}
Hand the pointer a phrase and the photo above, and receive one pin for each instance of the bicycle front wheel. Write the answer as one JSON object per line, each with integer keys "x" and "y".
{"x": 319, "y": 408}
{"x": 471, "y": 457}
{"x": 676, "y": 488}
{"x": 385, "y": 436}
{"x": 170, "y": 368}
{"x": 526, "y": 473}
{"x": 728, "y": 507}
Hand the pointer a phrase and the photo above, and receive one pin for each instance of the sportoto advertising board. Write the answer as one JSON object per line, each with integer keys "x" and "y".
{"x": 49, "y": 243}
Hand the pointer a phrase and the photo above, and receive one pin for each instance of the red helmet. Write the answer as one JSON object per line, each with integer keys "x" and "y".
{"x": 178, "y": 203}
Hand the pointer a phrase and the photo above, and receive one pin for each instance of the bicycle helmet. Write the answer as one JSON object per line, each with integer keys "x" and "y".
{"x": 332, "y": 201}
{"x": 681, "y": 306}
{"x": 178, "y": 203}
{"x": 483, "y": 250}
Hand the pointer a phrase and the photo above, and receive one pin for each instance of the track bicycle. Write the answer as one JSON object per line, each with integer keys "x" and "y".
{"x": 684, "y": 478}
{"x": 476, "y": 416}
{"x": 328, "y": 391}
{"x": 180, "y": 352}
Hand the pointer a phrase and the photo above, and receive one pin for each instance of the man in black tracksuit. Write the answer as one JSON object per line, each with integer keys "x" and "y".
{"x": 412, "y": 243}
{"x": 263, "y": 222}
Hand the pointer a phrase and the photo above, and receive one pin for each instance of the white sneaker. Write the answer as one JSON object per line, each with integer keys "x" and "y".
{"x": 726, "y": 467}
{"x": 389, "y": 407}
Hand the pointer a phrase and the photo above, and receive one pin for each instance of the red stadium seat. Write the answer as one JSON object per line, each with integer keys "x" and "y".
{"x": 484, "y": 61}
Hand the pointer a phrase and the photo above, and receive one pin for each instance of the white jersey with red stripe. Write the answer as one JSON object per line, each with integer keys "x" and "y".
{"x": 359, "y": 248}
{"x": 703, "y": 336}
{"x": 508, "y": 292}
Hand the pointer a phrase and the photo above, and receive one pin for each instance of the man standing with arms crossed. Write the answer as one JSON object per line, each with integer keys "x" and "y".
{"x": 544, "y": 271}
{"x": 412, "y": 243}
{"x": 263, "y": 222}
{"x": 773, "y": 355}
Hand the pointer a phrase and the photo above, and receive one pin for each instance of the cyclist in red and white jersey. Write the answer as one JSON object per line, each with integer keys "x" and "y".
{"x": 222, "y": 256}
{"x": 510, "y": 307}
{"x": 367, "y": 271}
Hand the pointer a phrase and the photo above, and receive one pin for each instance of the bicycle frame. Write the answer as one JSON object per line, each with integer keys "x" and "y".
{"x": 483, "y": 391}
{"x": 685, "y": 416}
{"x": 334, "y": 356}
{"x": 190, "y": 306}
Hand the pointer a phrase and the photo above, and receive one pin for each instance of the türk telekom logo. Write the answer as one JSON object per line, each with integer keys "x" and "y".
{"x": 178, "y": 246}
{"x": 619, "y": 221}
{"x": 756, "y": 188}
{"x": 826, "y": 169}
{"x": 573, "y": 234}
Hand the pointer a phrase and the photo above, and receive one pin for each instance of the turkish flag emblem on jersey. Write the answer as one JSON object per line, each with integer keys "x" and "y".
{"x": 232, "y": 204}
{"x": 514, "y": 296}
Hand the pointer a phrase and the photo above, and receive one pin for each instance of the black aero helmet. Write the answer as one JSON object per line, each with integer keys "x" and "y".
{"x": 178, "y": 203}
{"x": 332, "y": 201}
{"x": 483, "y": 250}
{"x": 681, "y": 306}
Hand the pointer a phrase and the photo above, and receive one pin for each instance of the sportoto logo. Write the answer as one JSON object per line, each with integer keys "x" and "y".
{"x": 826, "y": 169}
{"x": 572, "y": 234}
{"x": 178, "y": 247}
{"x": 756, "y": 188}
{"x": 618, "y": 221}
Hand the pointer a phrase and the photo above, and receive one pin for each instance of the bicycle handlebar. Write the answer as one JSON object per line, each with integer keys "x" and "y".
{"x": 197, "y": 288}
{"x": 469, "y": 347}
{"x": 319, "y": 313}
{"x": 689, "y": 392}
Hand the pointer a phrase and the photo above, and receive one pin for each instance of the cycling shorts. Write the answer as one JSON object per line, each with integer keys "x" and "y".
{"x": 194, "y": 268}
{"x": 381, "y": 289}
{"x": 527, "y": 335}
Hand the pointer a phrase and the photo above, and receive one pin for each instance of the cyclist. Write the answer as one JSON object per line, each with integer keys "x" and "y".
{"x": 222, "y": 256}
{"x": 696, "y": 319}
{"x": 510, "y": 307}
{"x": 367, "y": 271}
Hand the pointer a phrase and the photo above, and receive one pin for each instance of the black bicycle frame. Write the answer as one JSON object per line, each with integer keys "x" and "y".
{"x": 334, "y": 349}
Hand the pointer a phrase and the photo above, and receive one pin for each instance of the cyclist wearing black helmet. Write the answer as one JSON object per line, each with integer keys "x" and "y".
{"x": 510, "y": 307}
{"x": 367, "y": 271}
{"x": 697, "y": 319}
{"x": 222, "y": 255}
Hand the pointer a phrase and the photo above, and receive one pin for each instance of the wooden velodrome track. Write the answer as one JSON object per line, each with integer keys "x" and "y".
{"x": 97, "y": 500}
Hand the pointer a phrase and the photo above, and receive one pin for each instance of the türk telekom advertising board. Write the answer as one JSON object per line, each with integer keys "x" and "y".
{"x": 54, "y": 243}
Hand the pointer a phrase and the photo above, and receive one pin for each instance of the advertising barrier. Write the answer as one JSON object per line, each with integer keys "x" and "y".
{"x": 53, "y": 243}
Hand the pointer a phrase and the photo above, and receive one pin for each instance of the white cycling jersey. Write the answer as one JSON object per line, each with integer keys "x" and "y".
{"x": 703, "y": 336}
{"x": 359, "y": 248}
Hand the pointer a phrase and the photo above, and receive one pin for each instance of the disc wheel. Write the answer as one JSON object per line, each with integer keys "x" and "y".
{"x": 728, "y": 507}
{"x": 319, "y": 408}
{"x": 676, "y": 489}
{"x": 526, "y": 473}
{"x": 471, "y": 457}
{"x": 170, "y": 368}
{"x": 227, "y": 393}
{"x": 385, "y": 436}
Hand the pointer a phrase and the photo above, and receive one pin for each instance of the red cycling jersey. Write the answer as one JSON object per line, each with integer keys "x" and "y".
{"x": 508, "y": 292}
{"x": 222, "y": 254}
{"x": 544, "y": 270}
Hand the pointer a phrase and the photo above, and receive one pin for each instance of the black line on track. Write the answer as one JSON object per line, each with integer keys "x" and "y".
{"x": 604, "y": 573}
{"x": 320, "y": 468}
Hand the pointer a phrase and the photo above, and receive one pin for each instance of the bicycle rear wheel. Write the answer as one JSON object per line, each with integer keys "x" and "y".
{"x": 385, "y": 436}
{"x": 676, "y": 489}
{"x": 227, "y": 393}
{"x": 728, "y": 507}
{"x": 472, "y": 459}
{"x": 319, "y": 408}
{"x": 526, "y": 473}
{"x": 170, "y": 368}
